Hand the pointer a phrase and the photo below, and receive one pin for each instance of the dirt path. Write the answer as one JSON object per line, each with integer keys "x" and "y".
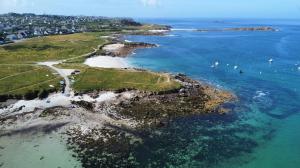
{"x": 68, "y": 90}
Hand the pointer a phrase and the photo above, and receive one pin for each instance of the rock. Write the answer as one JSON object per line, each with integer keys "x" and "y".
{"x": 42, "y": 157}
{"x": 84, "y": 104}
{"x": 193, "y": 98}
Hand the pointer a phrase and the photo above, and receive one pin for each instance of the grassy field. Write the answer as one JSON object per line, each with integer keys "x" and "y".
{"x": 114, "y": 79}
{"x": 50, "y": 48}
{"x": 20, "y": 79}
{"x": 19, "y": 73}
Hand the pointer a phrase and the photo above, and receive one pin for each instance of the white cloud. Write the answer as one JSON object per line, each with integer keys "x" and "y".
{"x": 150, "y": 2}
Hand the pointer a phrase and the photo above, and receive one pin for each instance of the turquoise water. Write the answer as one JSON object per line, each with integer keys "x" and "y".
{"x": 263, "y": 130}
{"x": 36, "y": 150}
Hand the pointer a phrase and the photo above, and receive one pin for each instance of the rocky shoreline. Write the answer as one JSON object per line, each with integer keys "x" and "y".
{"x": 123, "y": 49}
{"x": 107, "y": 133}
{"x": 193, "y": 98}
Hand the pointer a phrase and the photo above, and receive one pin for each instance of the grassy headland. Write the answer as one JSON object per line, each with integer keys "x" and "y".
{"x": 114, "y": 79}
{"x": 19, "y": 73}
{"x": 91, "y": 79}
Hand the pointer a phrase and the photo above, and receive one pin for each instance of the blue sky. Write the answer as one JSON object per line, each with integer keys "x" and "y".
{"x": 159, "y": 8}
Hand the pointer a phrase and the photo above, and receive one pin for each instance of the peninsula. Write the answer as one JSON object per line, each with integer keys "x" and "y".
{"x": 48, "y": 83}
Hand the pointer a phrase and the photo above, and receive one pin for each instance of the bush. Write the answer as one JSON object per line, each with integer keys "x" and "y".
{"x": 17, "y": 96}
{"x": 43, "y": 94}
{"x": 30, "y": 95}
{"x": 3, "y": 98}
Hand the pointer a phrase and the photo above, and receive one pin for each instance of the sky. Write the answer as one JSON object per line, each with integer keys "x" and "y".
{"x": 158, "y": 8}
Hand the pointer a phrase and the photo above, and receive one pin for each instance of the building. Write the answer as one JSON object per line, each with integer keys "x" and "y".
{"x": 12, "y": 37}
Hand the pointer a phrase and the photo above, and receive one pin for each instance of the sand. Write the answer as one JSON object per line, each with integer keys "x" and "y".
{"x": 107, "y": 62}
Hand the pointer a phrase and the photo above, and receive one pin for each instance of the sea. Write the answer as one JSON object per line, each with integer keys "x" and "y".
{"x": 261, "y": 67}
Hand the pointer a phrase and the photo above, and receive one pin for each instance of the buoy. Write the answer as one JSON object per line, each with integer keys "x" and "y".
{"x": 236, "y": 67}
{"x": 299, "y": 68}
{"x": 271, "y": 60}
{"x": 260, "y": 73}
{"x": 217, "y": 63}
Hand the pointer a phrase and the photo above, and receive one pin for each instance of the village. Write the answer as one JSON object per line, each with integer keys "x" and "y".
{"x": 15, "y": 26}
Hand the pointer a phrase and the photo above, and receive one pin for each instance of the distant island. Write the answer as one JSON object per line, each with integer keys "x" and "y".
{"x": 264, "y": 28}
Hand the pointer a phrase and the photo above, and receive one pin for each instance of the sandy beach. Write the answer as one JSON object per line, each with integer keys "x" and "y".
{"x": 107, "y": 62}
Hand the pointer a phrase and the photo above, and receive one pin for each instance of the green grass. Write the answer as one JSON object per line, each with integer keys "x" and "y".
{"x": 51, "y": 48}
{"x": 19, "y": 73}
{"x": 10, "y": 70}
{"x": 35, "y": 78}
{"x": 114, "y": 79}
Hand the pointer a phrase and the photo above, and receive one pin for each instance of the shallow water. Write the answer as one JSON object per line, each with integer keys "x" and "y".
{"x": 38, "y": 150}
{"x": 264, "y": 129}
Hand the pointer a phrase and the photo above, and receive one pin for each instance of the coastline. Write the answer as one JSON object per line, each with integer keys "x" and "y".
{"x": 113, "y": 56}
{"x": 110, "y": 121}
{"x": 100, "y": 117}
